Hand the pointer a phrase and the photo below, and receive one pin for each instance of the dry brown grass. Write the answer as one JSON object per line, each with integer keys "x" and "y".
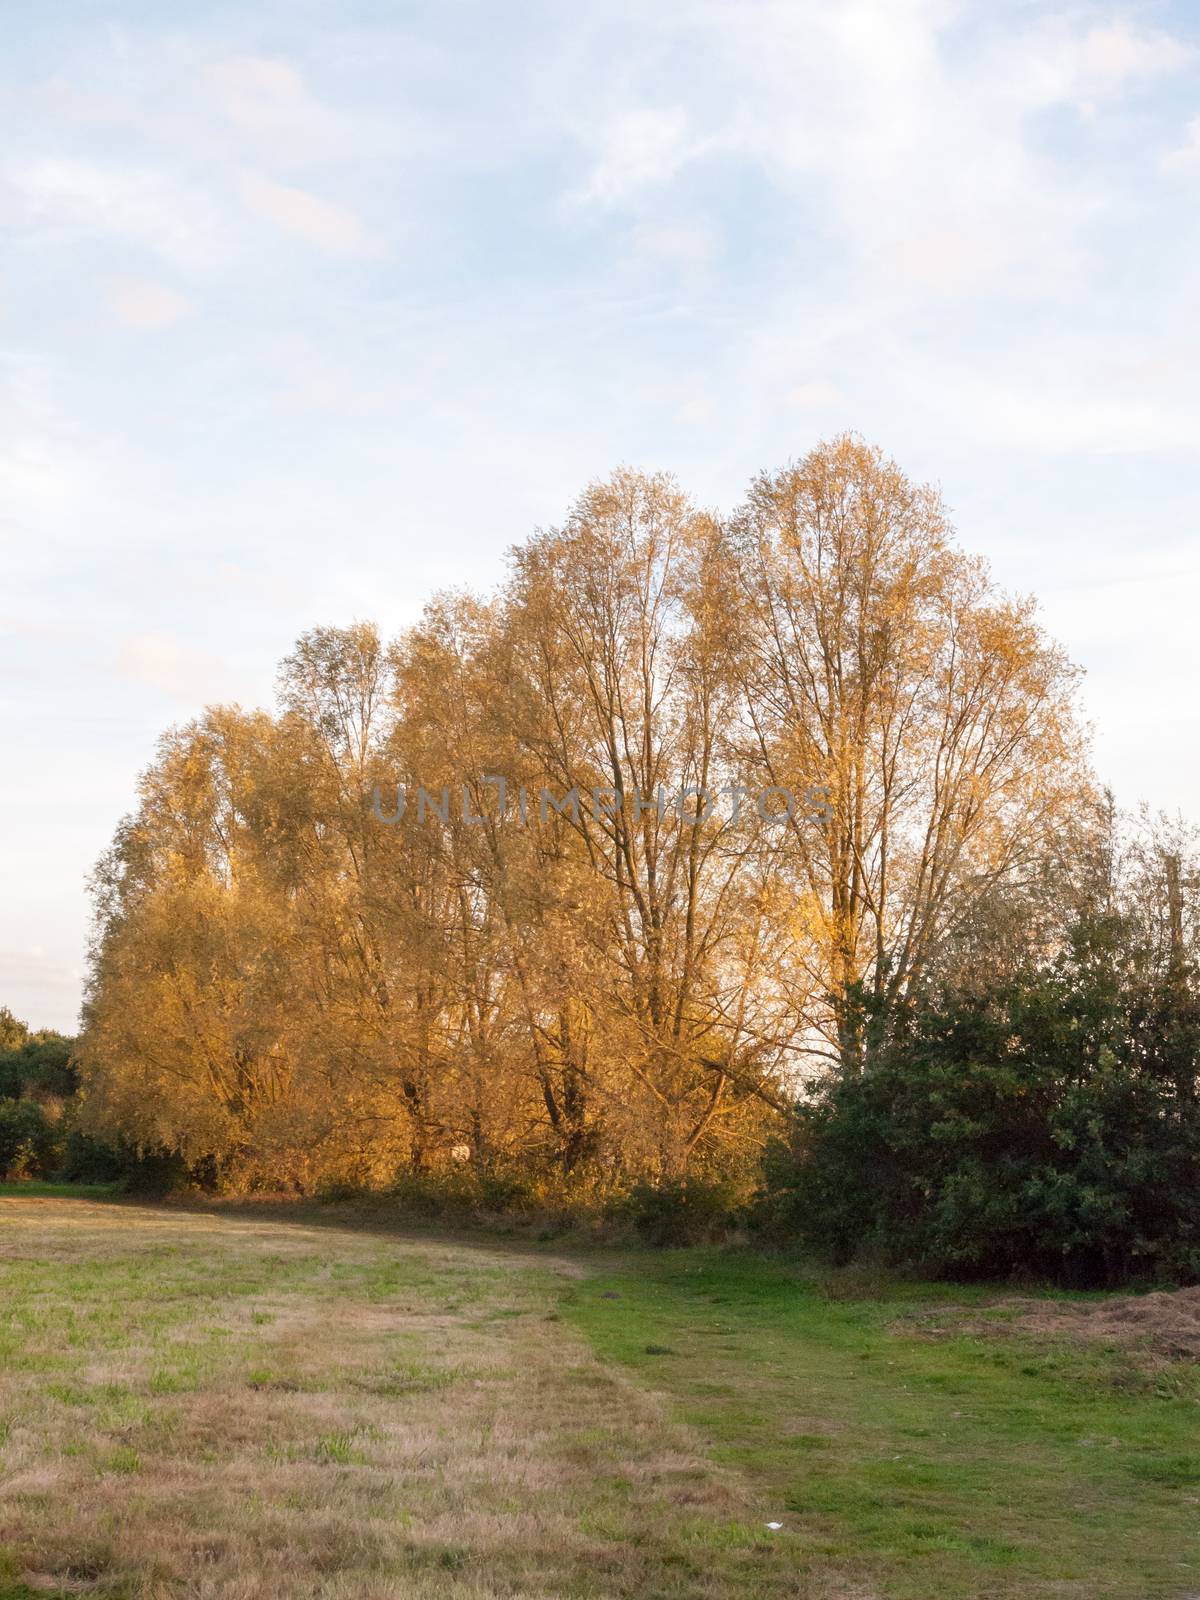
{"x": 229, "y": 1409}
{"x": 1164, "y": 1325}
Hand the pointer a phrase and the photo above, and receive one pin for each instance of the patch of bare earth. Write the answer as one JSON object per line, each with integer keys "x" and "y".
{"x": 230, "y": 1410}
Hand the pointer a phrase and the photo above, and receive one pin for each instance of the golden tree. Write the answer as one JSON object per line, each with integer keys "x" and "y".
{"x": 881, "y": 662}
{"x": 577, "y": 878}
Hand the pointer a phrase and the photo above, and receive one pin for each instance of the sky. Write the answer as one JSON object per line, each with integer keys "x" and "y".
{"x": 308, "y": 310}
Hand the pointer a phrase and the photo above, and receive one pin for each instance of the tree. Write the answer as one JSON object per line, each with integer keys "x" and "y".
{"x": 42, "y": 1067}
{"x": 881, "y": 662}
{"x": 27, "y": 1140}
{"x": 13, "y": 1032}
{"x": 622, "y": 690}
{"x": 509, "y": 886}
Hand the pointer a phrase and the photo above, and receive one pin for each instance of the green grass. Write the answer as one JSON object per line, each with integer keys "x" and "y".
{"x": 33, "y": 1190}
{"x": 21, "y": 1591}
{"x": 949, "y": 1466}
{"x": 313, "y": 1412}
{"x": 481, "y": 1420}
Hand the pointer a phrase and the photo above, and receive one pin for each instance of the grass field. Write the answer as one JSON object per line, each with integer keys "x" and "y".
{"x": 237, "y": 1407}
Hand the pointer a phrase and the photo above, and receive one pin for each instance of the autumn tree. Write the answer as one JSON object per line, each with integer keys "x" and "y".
{"x": 881, "y": 662}
{"x": 576, "y": 879}
{"x": 622, "y": 688}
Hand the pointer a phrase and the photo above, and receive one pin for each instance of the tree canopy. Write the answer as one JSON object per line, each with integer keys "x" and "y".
{"x": 673, "y": 800}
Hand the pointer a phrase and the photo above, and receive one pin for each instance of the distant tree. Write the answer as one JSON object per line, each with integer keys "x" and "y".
{"x": 13, "y": 1032}
{"x": 42, "y": 1066}
{"x": 28, "y": 1143}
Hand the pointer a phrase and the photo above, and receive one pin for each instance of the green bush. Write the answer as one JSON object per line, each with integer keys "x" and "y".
{"x": 336, "y": 1194}
{"x": 149, "y": 1173}
{"x": 29, "y": 1144}
{"x": 682, "y": 1211}
{"x": 469, "y": 1191}
{"x": 155, "y": 1173}
{"x": 40, "y": 1065}
{"x": 1048, "y": 1126}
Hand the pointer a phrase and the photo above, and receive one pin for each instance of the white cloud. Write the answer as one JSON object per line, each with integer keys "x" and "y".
{"x": 815, "y": 396}
{"x": 1071, "y": 404}
{"x": 1186, "y": 155}
{"x": 698, "y": 411}
{"x": 88, "y": 108}
{"x": 318, "y": 386}
{"x": 640, "y": 148}
{"x": 140, "y": 205}
{"x": 333, "y": 228}
{"x": 267, "y": 101}
{"x": 40, "y": 478}
{"x": 163, "y": 662}
{"x": 931, "y": 174}
{"x": 45, "y": 991}
{"x": 1085, "y": 68}
{"x": 145, "y": 305}
{"x": 689, "y": 246}
{"x": 51, "y": 485}
{"x": 923, "y": 156}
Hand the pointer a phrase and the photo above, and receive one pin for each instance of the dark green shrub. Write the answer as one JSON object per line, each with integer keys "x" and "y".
{"x": 155, "y": 1173}
{"x": 468, "y": 1190}
{"x": 29, "y": 1144}
{"x": 149, "y": 1173}
{"x": 1050, "y": 1125}
{"x": 681, "y": 1211}
{"x": 40, "y": 1065}
{"x": 90, "y": 1160}
{"x": 336, "y": 1194}
{"x": 419, "y": 1193}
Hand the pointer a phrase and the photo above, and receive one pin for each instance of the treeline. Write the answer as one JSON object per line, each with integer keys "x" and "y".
{"x": 37, "y": 1081}
{"x": 43, "y": 1136}
{"x": 766, "y": 778}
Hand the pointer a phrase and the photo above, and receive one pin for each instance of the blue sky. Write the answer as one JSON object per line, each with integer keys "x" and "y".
{"x": 307, "y": 310}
